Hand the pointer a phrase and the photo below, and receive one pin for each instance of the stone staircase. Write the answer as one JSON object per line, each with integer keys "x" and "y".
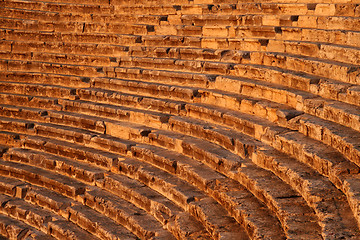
{"x": 179, "y": 119}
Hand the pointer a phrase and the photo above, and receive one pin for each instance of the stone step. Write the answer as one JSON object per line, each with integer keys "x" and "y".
{"x": 116, "y": 39}
{"x": 94, "y": 61}
{"x": 288, "y": 169}
{"x": 147, "y": 24}
{"x": 341, "y": 138}
{"x": 202, "y": 152}
{"x": 32, "y": 215}
{"x": 14, "y": 229}
{"x": 91, "y": 49}
{"x": 250, "y": 31}
{"x": 183, "y": 194}
{"x": 55, "y": 68}
{"x": 345, "y": 54}
{"x": 290, "y": 7}
{"x": 32, "y": 89}
{"x": 283, "y": 76}
{"x": 45, "y": 78}
{"x": 290, "y": 18}
{"x": 64, "y": 166}
{"x": 63, "y": 118}
{"x": 79, "y": 153}
{"x": 57, "y": 16}
{"x": 135, "y": 219}
{"x": 77, "y": 27}
{"x": 283, "y": 65}
{"x": 219, "y": 98}
{"x": 150, "y": 152}
{"x": 324, "y": 87}
{"x": 160, "y": 103}
{"x": 80, "y": 8}
{"x": 324, "y": 159}
{"x": 113, "y": 207}
{"x": 190, "y": 106}
{"x": 97, "y": 224}
{"x": 188, "y": 169}
{"x": 202, "y": 7}
{"x": 101, "y": 120}
{"x": 154, "y": 203}
{"x": 321, "y": 172}
{"x": 49, "y": 145}
{"x": 338, "y": 112}
{"x": 55, "y": 182}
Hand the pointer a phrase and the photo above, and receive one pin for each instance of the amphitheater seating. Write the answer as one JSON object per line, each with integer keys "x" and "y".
{"x": 179, "y": 119}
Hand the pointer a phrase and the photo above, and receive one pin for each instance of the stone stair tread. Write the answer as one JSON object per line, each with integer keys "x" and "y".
{"x": 66, "y": 149}
{"x": 151, "y": 201}
{"x": 66, "y": 166}
{"x": 59, "y": 183}
{"x": 65, "y": 229}
{"x": 318, "y": 187}
{"x": 183, "y": 163}
{"x": 139, "y": 167}
{"x": 111, "y": 205}
{"x": 347, "y": 138}
{"x": 30, "y": 214}
{"x": 97, "y": 224}
{"x": 58, "y": 203}
{"x": 14, "y": 229}
{"x": 261, "y": 179}
{"x": 216, "y": 119}
{"x": 44, "y": 78}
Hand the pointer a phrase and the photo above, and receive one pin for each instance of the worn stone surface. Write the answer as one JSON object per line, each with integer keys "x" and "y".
{"x": 184, "y": 119}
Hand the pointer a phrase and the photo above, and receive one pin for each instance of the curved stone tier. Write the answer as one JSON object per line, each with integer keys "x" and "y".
{"x": 179, "y": 119}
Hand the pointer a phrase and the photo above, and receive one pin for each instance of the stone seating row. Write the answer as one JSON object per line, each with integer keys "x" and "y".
{"x": 269, "y": 99}
{"x": 280, "y": 204}
{"x": 250, "y": 69}
{"x": 221, "y": 55}
{"x": 186, "y": 2}
{"x": 164, "y": 46}
{"x": 335, "y": 8}
{"x": 270, "y": 112}
{"x": 304, "y": 7}
{"x": 171, "y": 187}
{"x": 314, "y": 68}
{"x": 57, "y": 21}
{"x": 351, "y": 155}
{"x": 250, "y": 31}
{"x": 254, "y": 69}
{"x": 209, "y": 202}
{"x": 13, "y": 229}
{"x": 289, "y": 128}
{"x": 51, "y": 16}
{"x": 90, "y": 41}
{"x": 74, "y": 211}
{"x": 115, "y": 208}
{"x": 328, "y": 70}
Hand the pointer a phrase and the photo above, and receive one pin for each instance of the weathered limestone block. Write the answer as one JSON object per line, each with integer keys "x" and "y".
{"x": 61, "y": 165}
{"x": 126, "y": 214}
{"x": 97, "y": 224}
{"x": 66, "y": 230}
{"x": 41, "y": 177}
